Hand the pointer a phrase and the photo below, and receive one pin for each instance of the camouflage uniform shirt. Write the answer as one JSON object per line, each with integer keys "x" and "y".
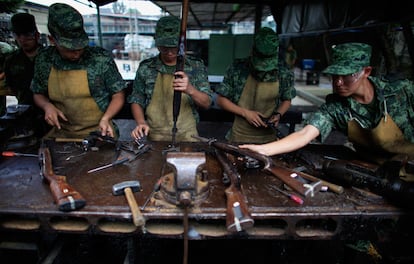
{"x": 146, "y": 76}
{"x": 19, "y": 71}
{"x": 103, "y": 76}
{"x": 236, "y": 77}
{"x": 337, "y": 111}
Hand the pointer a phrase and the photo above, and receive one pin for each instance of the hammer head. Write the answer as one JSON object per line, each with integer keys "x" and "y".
{"x": 119, "y": 188}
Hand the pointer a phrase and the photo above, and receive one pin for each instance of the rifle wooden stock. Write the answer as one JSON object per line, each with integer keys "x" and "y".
{"x": 269, "y": 166}
{"x": 66, "y": 198}
{"x": 179, "y": 66}
{"x": 238, "y": 216}
{"x": 331, "y": 186}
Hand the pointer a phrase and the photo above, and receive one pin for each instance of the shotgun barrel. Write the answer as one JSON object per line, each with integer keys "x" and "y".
{"x": 180, "y": 67}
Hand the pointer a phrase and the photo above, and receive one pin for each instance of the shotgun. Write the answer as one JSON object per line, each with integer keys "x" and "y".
{"x": 180, "y": 66}
{"x": 66, "y": 198}
{"x": 238, "y": 215}
{"x": 371, "y": 176}
{"x": 284, "y": 174}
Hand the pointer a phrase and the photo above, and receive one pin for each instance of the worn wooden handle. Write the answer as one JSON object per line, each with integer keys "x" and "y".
{"x": 137, "y": 216}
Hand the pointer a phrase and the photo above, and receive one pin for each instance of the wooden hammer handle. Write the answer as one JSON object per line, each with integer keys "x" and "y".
{"x": 137, "y": 216}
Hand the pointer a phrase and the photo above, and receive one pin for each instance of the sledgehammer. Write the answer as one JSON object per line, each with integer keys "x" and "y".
{"x": 128, "y": 187}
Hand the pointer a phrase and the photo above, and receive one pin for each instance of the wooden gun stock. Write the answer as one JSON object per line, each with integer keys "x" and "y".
{"x": 66, "y": 198}
{"x": 269, "y": 166}
{"x": 238, "y": 216}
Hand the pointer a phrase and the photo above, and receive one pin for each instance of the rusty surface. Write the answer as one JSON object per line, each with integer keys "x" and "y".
{"x": 26, "y": 202}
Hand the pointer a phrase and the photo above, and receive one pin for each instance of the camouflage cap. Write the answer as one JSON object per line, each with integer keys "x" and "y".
{"x": 349, "y": 58}
{"x": 23, "y": 23}
{"x": 65, "y": 24}
{"x": 167, "y": 31}
{"x": 265, "y": 50}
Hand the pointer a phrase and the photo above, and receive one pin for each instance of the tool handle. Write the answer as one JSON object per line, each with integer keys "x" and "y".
{"x": 296, "y": 198}
{"x": 15, "y": 154}
{"x": 9, "y": 154}
{"x": 137, "y": 216}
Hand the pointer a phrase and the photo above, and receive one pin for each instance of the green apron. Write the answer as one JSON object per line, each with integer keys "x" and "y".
{"x": 385, "y": 138}
{"x": 257, "y": 96}
{"x": 160, "y": 115}
{"x": 69, "y": 92}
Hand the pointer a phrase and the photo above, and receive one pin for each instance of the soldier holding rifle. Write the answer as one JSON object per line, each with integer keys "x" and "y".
{"x": 154, "y": 85}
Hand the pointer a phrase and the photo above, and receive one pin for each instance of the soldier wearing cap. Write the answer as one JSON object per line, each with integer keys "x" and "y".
{"x": 19, "y": 67}
{"x": 257, "y": 88}
{"x": 376, "y": 115}
{"x": 79, "y": 87}
{"x": 155, "y": 83}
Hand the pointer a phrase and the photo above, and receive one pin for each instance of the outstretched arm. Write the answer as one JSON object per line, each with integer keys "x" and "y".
{"x": 287, "y": 144}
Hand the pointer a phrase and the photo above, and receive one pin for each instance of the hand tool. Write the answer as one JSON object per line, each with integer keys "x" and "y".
{"x": 127, "y": 188}
{"x": 16, "y": 154}
{"x": 293, "y": 197}
{"x": 156, "y": 188}
{"x": 117, "y": 162}
{"x": 75, "y": 156}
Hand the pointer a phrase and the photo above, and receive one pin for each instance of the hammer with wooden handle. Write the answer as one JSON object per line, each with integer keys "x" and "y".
{"x": 127, "y": 188}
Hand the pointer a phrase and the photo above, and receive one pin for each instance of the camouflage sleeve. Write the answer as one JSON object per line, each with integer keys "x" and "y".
{"x": 234, "y": 80}
{"x": 323, "y": 120}
{"x": 112, "y": 77}
{"x": 199, "y": 77}
{"x": 42, "y": 68}
{"x": 143, "y": 85}
{"x": 286, "y": 85}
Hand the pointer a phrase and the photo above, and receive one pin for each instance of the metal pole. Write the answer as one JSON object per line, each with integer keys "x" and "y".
{"x": 99, "y": 26}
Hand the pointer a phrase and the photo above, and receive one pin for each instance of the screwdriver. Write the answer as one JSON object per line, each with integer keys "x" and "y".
{"x": 117, "y": 162}
{"x": 157, "y": 187}
{"x": 293, "y": 197}
{"x": 16, "y": 154}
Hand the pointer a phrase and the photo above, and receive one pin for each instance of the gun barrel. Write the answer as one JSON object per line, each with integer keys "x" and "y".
{"x": 268, "y": 165}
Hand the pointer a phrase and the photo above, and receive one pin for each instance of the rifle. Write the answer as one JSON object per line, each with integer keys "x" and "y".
{"x": 284, "y": 174}
{"x": 179, "y": 66}
{"x": 238, "y": 215}
{"x": 377, "y": 179}
{"x": 66, "y": 198}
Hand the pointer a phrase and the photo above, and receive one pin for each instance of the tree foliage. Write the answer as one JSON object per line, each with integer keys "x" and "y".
{"x": 10, "y": 6}
{"x": 118, "y": 8}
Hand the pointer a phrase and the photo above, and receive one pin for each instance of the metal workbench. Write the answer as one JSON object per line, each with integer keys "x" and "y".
{"x": 26, "y": 203}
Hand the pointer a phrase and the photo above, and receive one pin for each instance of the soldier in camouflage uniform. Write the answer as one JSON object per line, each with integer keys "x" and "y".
{"x": 79, "y": 87}
{"x": 257, "y": 88}
{"x": 19, "y": 68}
{"x": 377, "y": 116}
{"x": 152, "y": 95}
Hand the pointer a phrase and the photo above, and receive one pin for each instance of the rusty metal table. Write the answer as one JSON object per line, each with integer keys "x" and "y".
{"x": 26, "y": 203}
